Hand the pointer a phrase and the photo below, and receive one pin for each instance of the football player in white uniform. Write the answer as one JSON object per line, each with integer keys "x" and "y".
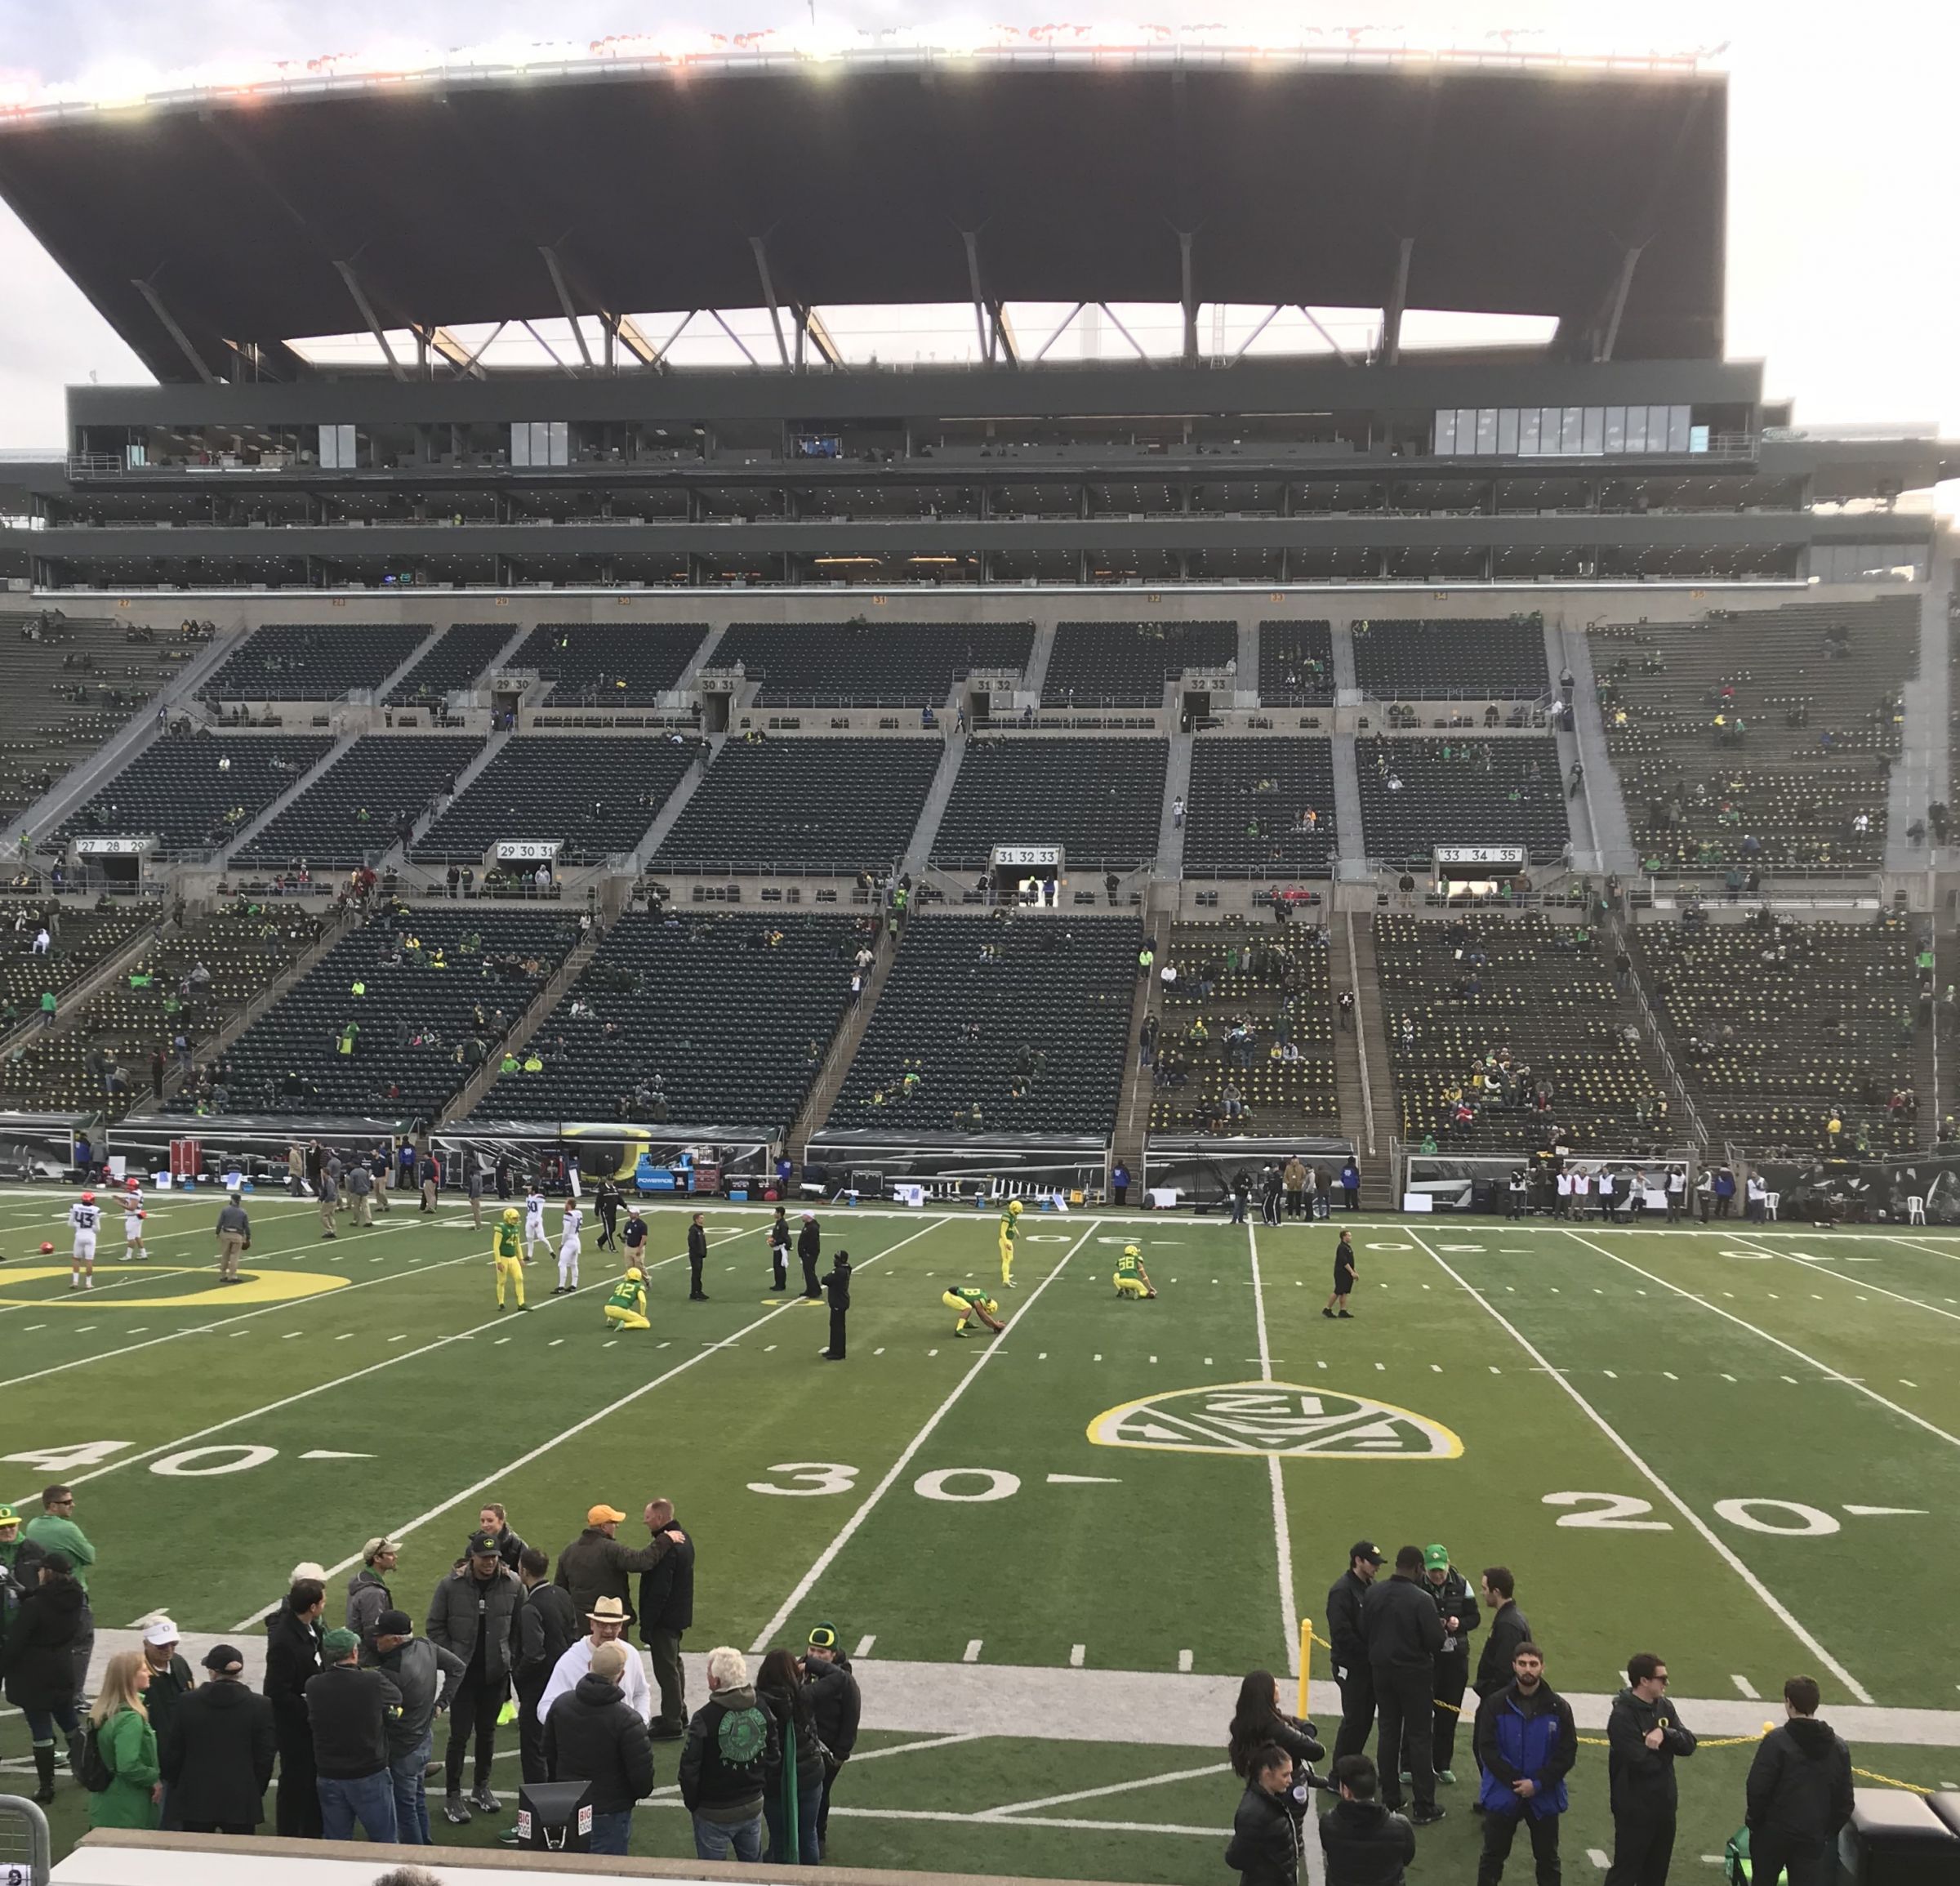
{"x": 534, "y": 1222}
{"x": 86, "y": 1216}
{"x": 133, "y": 1215}
{"x": 569, "y": 1246}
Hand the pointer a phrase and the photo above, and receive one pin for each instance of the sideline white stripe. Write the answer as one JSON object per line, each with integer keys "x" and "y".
{"x": 1282, "y": 1531}
{"x": 1099, "y": 1793}
{"x": 1776, "y": 1606}
{"x": 1788, "y": 1349}
{"x": 767, "y": 1634}
{"x": 592, "y": 1420}
{"x": 1863, "y": 1283}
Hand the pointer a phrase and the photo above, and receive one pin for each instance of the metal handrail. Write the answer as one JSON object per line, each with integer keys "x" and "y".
{"x": 38, "y": 1844}
{"x": 1360, "y": 1035}
{"x": 1689, "y": 1113}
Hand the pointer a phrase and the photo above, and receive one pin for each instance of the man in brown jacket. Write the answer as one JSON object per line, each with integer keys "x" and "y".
{"x": 595, "y": 1565}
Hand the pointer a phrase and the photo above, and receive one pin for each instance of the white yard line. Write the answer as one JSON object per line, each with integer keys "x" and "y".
{"x": 591, "y": 1420}
{"x": 1788, "y": 1349}
{"x": 1775, "y": 1605}
{"x": 1282, "y": 1531}
{"x": 1862, "y": 1283}
{"x": 1099, "y": 1793}
{"x": 807, "y": 1583}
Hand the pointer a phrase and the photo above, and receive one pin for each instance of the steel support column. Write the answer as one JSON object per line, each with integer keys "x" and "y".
{"x": 170, "y": 327}
{"x": 760, "y": 247}
{"x": 345, "y": 271}
{"x": 1398, "y": 299}
{"x": 1187, "y": 299}
{"x": 564, "y": 302}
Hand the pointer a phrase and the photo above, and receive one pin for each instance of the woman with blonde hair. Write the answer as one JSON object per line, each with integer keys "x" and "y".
{"x": 127, "y": 1746}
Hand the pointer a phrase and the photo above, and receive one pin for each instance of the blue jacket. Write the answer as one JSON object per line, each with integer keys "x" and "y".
{"x": 1521, "y": 1738}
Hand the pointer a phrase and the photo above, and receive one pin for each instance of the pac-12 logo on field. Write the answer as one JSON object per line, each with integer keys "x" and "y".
{"x": 1275, "y": 1418}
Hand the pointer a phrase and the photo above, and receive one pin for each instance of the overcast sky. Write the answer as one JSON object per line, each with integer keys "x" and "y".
{"x": 1842, "y": 235}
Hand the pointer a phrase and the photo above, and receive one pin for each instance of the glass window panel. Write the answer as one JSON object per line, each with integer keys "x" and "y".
{"x": 1572, "y": 428}
{"x": 1445, "y": 432}
{"x": 1466, "y": 431}
{"x": 1486, "y": 430}
{"x": 1636, "y": 429}
{"x": 1506, "y": 431}
{"x": 1595, "y": 435}
{"x": 1657, "y": 429}
{"x": 1677, "y": 428}
{"x": 1527, "y": 432}
{"x": 1616, "y": 429}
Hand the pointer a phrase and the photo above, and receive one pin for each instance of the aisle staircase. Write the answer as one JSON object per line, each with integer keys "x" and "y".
{"x": 1360, "y": 1062}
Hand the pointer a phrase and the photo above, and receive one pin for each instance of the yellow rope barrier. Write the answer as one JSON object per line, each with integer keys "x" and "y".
{"x": 1309, "y": 1637}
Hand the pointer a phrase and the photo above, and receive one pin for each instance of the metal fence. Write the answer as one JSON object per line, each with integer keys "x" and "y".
{"x": 27, "y": 1852}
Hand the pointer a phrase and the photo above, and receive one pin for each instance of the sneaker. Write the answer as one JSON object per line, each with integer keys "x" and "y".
{"x": 1328, "y": 1314}
{"x": 508, "y": 1838}
{"x": 1346, "y": 1316}
{"x": 1448, "y": 1774}
{"x": 455, "y": 1812}
{"x": 1428, "y": 1817}
{"x": 697, "y": 1296}
{"x": 484, "y": 1802}
{"x": 1406, "y": 1777}
{"x": 958, "y": 1333}
{"x": 1008, "y": 1281}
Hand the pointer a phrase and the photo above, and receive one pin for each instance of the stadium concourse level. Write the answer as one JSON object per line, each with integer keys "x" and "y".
{"x": 1101, "y": 801}
{"x": 72, "y": 682}
{"x": 114, "y": 1048}
{"x": 861, "y": 664}
{"x": 997, "y": 1025}
{"x": 197, "y": 791}
{"x": 698, "y": 1019}
{"x": 1509, "y": 1034}
{"x": 596, "y": 797}
{"x": 313, "y": 661}
{"x": 1296, "y": 664}
{"x": 1779, "y": 1029}
{"x": 1244, "y": 1039}
{"x": 1417, "y": 794}
{"x": 1447, "y": 658}
{"x": 1127, "y": 664}
{"x": 398, "y": 1015}
{"x": 355, "y": 810}
{"x": 610, "y": 665}
{"x": 1260, "y": 806}
{"x": 1758, "y": 739}
{"x": 824, "y": 806}
{"x": 454, "y": 662}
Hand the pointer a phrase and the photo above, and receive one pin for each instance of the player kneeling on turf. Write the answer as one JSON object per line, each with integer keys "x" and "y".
{"x": 969, "y": 1301}
{"x": 626, "y": 1307}
{"x": 507, "y": 1254}
{"x": 1132, "y": 1280}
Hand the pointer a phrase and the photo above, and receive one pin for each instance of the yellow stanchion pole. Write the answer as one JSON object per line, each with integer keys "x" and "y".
{"x": 1306, "y": 1659}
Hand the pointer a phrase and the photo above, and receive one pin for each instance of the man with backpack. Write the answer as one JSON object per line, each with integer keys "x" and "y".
{"x": 730, "y": 1761}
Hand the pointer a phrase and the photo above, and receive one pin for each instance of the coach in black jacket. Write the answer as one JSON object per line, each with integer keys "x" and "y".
{"x": 1509, "y": 1628}
{"x": 1403, "y": 1632}
{"x": 547, "y": 1626}
{"x": 1365, "y": 1844}
{"x": 217, "y": 1755}
{"x": 666, "y": 1614}
{"x": 292, "y": 1659}
{"x": 1351, "y": 1669}
{"x": 1458, "y": 1610}
{"x": 593, "y": 1735}
{"x": 1644, "y": 1738}
{"x": 1799, "y": 1792}
{"x": 809, "y": 1245}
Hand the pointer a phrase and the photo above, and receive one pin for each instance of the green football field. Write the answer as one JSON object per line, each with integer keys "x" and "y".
{"x": 1055, "y": 1550}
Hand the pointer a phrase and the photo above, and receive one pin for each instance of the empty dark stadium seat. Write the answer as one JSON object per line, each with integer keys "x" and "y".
{"x": 347, "y": 817}
{"x": 1101, "y": 801}
{"x": 836, "y": 806}
{"x": 1444, "y": 658}
{"x": 1126, "y": 664}
{"x": 609, "y": 664}
{"x": 1058, "y": 987}
{"x": 313, "y": 661}
{"x": 454, "y": 662}
{"x": 197, "y": 792}
{"x": 595, "y": 796}
{"x": 868, "y": 664}
{"x": 1250, "y": 795}
{"x": 1419, "y": 794}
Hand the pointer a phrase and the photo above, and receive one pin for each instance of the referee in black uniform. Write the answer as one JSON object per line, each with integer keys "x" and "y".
{"x": 837, "y": 1288}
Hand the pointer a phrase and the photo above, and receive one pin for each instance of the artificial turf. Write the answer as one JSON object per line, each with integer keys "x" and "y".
{"x": 1722, "y": 1399}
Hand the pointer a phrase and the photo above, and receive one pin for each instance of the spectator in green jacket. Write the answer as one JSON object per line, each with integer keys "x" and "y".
{"x": 54, "y": 1529}
{"x": 128, "y": 1747}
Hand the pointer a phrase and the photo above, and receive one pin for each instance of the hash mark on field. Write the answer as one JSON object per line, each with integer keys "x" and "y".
{"x": 138, "y": 1331}
{"x": 402, "y": 1338}
{"x": 500, "y": 1341}
{"x": 1726, "y": 1376}
{"x": 290, "y": 1335}
{"x": 32, "y": 1328}
{"x": 1076, "y": 1652}
{"x": 1670, "y": 1375}
{"x": 1904, "y": 1384}
{"x": 972, "y": 1653}
{"x": 1184, "y": 1662}
{"x": 1435, "y": 1368}
{"x": 1153, "y": 1359}
{"x": 1382, "y": 1366}
{"x": 1495, "y": 1369}
{"x": 85, "y": 1329}
{"x": 877, "y": 1352}
{"x": 1609, "y": 1375}
{"x": 1097, "y": 1358}
{"x": 864, "y": 1645}
{"x": 554, "y": 1342}
{"x": 769, "y": 1349}
{"x": 1792, "y": 1379}
{"x": 347, "y": 1338}
{"x": 1042, "y": 1356}
{"x": 1747, "y": 1687}
{"x": 1597, "y": 1856}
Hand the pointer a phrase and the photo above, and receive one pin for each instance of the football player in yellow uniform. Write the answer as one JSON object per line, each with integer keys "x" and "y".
{"x": 1010, "y": 1229}
{"x": 968, "y": 1301}
{"x": 1132, "y": 1280}
{"x": 507, "y": 1254}
{"x": 626, "y": 1307}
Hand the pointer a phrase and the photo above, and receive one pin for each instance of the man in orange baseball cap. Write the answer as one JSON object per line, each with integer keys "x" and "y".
{"x": 596, "y": 1565}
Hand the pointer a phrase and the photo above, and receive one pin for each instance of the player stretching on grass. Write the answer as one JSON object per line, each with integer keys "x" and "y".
{"x": 84, "y": 1217}
{"x": 507, "y": 1254}
{"x": 1132, "y": 1280}
{"x": 626, "y": 1307}
{"x": 970, "y": 1301}
{"x": 1010, "y": 1229}
{"x": 534, "y": 1223}
{"x": 133, "y": 1215}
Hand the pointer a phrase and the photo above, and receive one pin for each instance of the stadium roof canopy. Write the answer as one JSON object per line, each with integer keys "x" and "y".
{"x": 213, "y": 228}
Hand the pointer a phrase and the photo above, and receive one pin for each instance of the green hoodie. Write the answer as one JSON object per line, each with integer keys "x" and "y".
{"x": 52, "y": 1533}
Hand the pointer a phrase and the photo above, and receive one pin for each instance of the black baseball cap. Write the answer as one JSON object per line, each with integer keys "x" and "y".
{"x": 1364, "y": 1549}
{"x": 221, "y": 1656}
{"x": 484, "y": 1545}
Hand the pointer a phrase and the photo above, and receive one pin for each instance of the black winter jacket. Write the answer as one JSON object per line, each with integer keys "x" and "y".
{"x": 292, "y": 1659}
{"x": 426, "y": 1676}
{"x": 809, "y": 1239}
{"x": 1509, "y": 1628}
{"x": 1800, "y": 1782}
{"x": 836, "y": 1700}
{"x": 1400, "y": 1623}
{"x": 593, "y": 1734}
{"x": 1365, "y": 1844}
{"x": 1344, "y": 1622}
{"x": 1453, "y": 1599}
{"x": 708, "y": 1784}
{"x": 800, "y": 1735}
{"x": 1293, "y": 1734}
{"x": 1265, "y": 1849}
{"x": 40, "y": 1670}
{"x": 667, "y": 1593}
{"x": 1641, "y": 1779}
{"x": 351, "y": 1711}
{"x": 218, "y": 1755}
{"x": 547, "y": 1627}
{"x": 168, "y": 1688}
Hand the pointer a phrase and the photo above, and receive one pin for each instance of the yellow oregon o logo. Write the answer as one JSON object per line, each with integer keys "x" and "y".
{"x": 254, "y": 1287}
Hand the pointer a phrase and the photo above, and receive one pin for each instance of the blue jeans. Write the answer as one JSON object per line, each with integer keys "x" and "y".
{"x": 411, "y": 1797}
{"x": 809, "y": 1801}
{"x": 610, "y": 1832}
{"x": 712, "y": 1840}
{"x": 370, "y": 1800}
{"x": 42, "y": 1723}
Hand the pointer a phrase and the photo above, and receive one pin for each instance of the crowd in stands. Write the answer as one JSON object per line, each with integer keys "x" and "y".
{"x": 1260, "y": 806}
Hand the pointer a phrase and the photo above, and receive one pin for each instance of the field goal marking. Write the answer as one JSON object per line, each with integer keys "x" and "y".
{"x": 1776, "y": 1606}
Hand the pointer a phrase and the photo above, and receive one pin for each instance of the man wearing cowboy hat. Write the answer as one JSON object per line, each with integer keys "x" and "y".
{"x": 596, "y": 1565}
{"x": 607, "y": 1623}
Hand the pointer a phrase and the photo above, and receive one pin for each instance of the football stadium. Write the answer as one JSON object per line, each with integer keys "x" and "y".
{"x": 910, "y": 936}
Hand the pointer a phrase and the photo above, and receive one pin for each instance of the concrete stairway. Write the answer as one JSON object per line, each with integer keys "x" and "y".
{"x": 306, "y": 781}
{"x": 1132, "y": 1101}
{"x": 1599, "y": 814}
{"x": 1170, "y": 834}
{"x": 933, "y": 811}
{"x": 1036, "y": 677}
{"x": 814, "y": 1114}
{"x": 383, "y": 688}
{"x": 1362, "y": 1085}
{"x": 655, "y": 835}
